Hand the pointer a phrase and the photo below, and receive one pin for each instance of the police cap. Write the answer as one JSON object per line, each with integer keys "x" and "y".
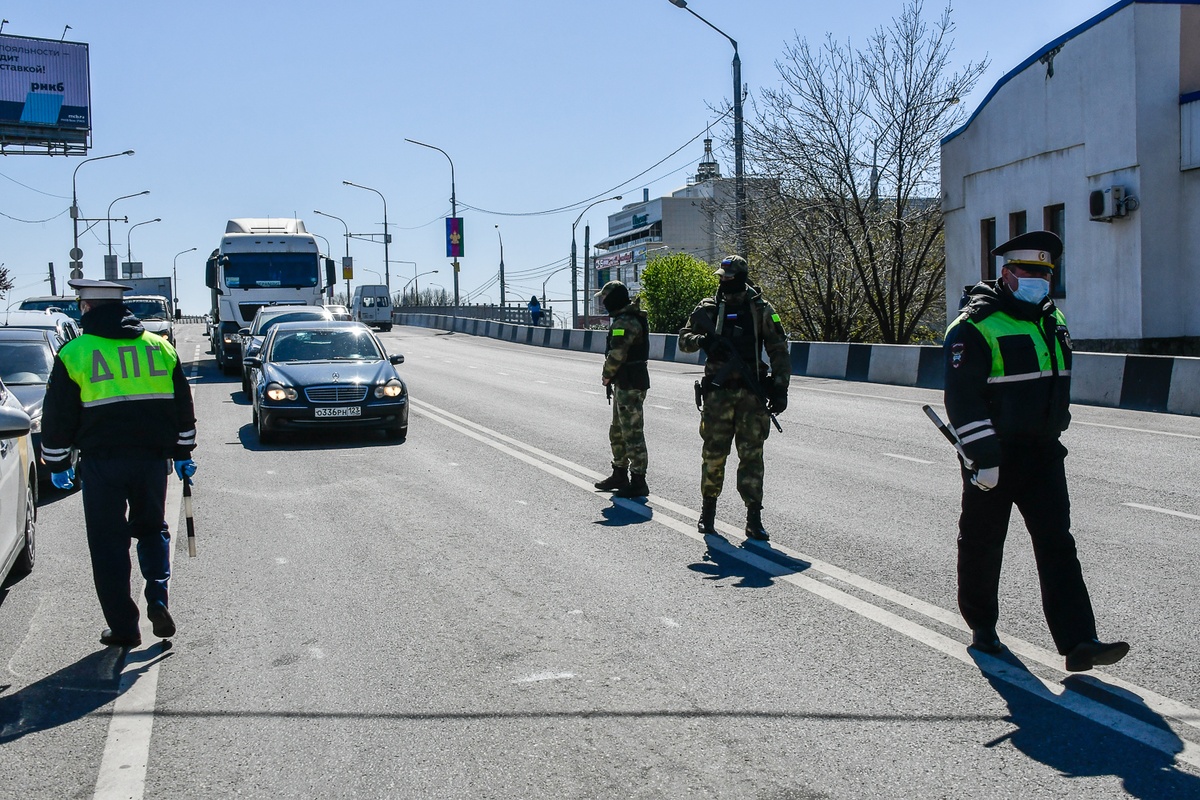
{"x": 733, "y": 265}
{"x": 1036, "y": 250}
{"x": 98, "y": 290}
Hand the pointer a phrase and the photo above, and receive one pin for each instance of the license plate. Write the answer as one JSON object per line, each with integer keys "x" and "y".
{"x": 339, "y": 411}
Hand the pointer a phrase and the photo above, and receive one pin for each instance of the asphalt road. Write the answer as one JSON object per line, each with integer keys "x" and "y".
{"x": 461, "y": 615}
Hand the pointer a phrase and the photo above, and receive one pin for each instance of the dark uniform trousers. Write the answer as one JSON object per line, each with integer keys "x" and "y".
{"x": 1032, "y": 477}
{"x": 112, "y": 485}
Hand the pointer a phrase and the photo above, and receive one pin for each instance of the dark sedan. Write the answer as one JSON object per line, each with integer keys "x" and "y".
{"x": 326, "y": 375}
{"x": 26, "y": 356}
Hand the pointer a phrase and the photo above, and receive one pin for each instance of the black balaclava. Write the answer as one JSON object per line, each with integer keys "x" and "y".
{"x": 734, "y": 284}
{"x": 616, "y": 299}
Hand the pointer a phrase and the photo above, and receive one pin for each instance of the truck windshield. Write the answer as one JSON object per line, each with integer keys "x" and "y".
{"x": 271, "y": 270}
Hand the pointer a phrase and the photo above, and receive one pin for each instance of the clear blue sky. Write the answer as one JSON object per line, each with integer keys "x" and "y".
{"x": 263, "y": 109}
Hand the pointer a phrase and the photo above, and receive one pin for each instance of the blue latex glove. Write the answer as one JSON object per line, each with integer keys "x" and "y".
{"x": 63, "y": 480}
{"x": 185, "y": 468}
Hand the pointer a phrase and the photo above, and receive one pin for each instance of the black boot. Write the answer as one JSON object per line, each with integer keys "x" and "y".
{"x": 754, "y": 526}
{"x": 708, "y": 514}
{"x": 637, "y": 487}
{"x": 618, "y": 480}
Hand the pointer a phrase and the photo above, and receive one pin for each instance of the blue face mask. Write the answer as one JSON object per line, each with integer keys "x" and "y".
{"x": 1032, "y": 290}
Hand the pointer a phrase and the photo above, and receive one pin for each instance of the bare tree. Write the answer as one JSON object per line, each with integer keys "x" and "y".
{"x": 852, "y": 138}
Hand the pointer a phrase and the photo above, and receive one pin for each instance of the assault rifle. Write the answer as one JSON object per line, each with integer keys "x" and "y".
{"x": 703, "y": 323}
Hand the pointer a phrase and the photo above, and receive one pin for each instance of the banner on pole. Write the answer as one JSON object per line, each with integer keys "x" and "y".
{"x": 454, "y": 237}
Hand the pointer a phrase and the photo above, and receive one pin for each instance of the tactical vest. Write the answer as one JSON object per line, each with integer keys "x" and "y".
{"x": 118, "y": 370}
{"x": 634, "y": 373}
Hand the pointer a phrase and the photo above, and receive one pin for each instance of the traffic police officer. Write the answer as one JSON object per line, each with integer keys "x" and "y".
{"x": 733, "y": 328}
{"x": 118, "y": 394}
{"x": 1008, "y": 384}
{"x": 625, "y": 374}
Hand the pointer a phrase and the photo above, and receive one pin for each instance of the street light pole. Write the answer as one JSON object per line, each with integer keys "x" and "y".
{"x": 417, "y": 288}
{"x": 387, "y": 237}
{"x": 453, "y": 207}
{"x": 501, "y": 238}
{"x": 109, "y": 216}
{"x": 175, "y": 279}
{"x": 548, "y": 277}
{"x": 739, "y": 179}
{"x": 75, "y": 251}
{"x": 347, "y": 261}
{"x": 414, "y": 278}
{"x": 129, "y": 240}
{"x": 574, "y": 268}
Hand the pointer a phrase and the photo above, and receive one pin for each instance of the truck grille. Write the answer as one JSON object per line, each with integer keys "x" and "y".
{"x": 336, "y": 393}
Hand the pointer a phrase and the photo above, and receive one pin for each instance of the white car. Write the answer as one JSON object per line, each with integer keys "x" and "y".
{"x": 18, "y": 492}
{"x": 154, "y": 313}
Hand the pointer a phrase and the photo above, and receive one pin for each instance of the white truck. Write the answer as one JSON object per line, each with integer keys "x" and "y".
{"x": 371, "y": 305}
{"x": 260, "y": 262}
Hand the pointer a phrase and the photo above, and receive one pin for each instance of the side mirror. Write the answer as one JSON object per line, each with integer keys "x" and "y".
{"x": 330, "y": 272}
{"x": 396, "y": 359}
{"x": 178, "y": 313}
{"x": 252, "y": 361}
{"x": 243, "y": 332}
{"x": 13, "y": 423}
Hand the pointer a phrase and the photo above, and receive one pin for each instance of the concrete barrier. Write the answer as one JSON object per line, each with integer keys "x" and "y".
{"x": 1145, "y": 383}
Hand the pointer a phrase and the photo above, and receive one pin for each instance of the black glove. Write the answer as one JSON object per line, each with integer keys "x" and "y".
{"x": 708, "y": 342}
{"x": 778, "y": 401}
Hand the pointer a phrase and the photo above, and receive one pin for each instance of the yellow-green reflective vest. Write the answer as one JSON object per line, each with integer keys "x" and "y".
{"x": 117, "y": 370}
{"x": 999, "y": 329}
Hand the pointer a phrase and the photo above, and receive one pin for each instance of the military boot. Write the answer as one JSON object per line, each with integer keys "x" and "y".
{"x": 618, "y": 480}
{"x": 708, "y": 514}
{"x": 754, "y": 526}
{"x": 637, "y": 487}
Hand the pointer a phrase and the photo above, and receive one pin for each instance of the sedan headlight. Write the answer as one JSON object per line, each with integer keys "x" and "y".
{"x": 276, "y": 391}
{"x": 393, "y": 388}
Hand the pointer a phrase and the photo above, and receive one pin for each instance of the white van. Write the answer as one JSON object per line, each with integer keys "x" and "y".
{"x": 154, "y": 312}
{"x": 372, "y": 306}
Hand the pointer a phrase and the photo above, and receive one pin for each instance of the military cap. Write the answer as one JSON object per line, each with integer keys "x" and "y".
{"x": 1036, "y": 250}
{"x": 609, "y": 288}
{"x": 733, "y": 265}
{"x": 98, "y": 290}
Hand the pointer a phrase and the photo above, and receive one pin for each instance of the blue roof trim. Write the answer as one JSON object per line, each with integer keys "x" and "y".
{"x": 1071, "y": 34}
{"x": 1190, "y": 97}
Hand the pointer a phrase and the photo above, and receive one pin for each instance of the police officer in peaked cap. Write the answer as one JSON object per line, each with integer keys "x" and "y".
{"x": 1008, "y": 393}
{"x": 118, "y": 394}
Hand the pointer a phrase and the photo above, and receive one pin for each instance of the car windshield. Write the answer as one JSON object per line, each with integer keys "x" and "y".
{"x": 67, "y": 305}
{"x": 25, "y": 362}
{"x": 326, "y": 345}
{"x": 271, "y": 270}
{"x": 266, "y": 323}
{"x": 148, "y": 309}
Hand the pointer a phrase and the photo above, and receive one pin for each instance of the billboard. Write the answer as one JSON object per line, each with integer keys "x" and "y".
{"x": 45, "y": 96}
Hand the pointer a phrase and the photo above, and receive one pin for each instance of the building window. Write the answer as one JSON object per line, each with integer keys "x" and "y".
{"x": 1017, "y": 224}
{"x": 1054, "y": 219}
{"x": 987, "y": 243}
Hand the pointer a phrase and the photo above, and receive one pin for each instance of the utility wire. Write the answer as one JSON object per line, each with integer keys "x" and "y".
{"x": 30, "y": 188}
{"x": 34, "y": 221}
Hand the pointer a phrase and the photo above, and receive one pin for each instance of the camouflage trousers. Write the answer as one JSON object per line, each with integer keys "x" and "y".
{"x": 627, "y": 433}
{"x": 731, "y": 415}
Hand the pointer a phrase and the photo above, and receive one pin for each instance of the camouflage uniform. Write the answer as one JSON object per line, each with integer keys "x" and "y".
{"x": 733, "y": 411}
{"x": 625, "y": 372}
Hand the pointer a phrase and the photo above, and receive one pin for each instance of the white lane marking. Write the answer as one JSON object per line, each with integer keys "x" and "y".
{"x": 1162, "y": 510}
{"x": 907, "y": 458}
{"x": 1091, "y": 709}
{"x": 664, "y": 408}
{"x": 541, "y": 382}
{"x": 670, "y": 623}
{"x": 122, "y": 773}
{"x": 587, "y": 391}
{"x": 545, "y": 676}
{"x": 1137, "y": 430}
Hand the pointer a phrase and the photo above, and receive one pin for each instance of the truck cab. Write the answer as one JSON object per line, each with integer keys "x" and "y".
{"x": 372, "y": 306}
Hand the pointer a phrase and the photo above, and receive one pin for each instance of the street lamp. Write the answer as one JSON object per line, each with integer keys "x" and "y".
{"x": 109, "y": 218}
{"x": 76, "y": 253}
{"x": 346, "y": 262}
{"x": 548, "y": 277}
{"x": 128, "y": 241}
{"x": 739, "y": 179}
{"x": 387, "y": 237}
{"x": 574, "y": 270}
{"x": 414, "y": 266}
{"x": 373, "y": 272}
{"x": 414, "y": 278}
{"x": 501, "y": 238}
{"x": 453, "y": 204}
{"x": 175, "y": 278}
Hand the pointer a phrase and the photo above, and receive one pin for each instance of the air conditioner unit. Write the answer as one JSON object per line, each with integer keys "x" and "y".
{"x": 1105, "y": 204}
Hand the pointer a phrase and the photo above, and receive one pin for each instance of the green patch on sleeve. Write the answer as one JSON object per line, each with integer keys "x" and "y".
{"x": 775, "y": 317}
{"x": 619, "y": 332}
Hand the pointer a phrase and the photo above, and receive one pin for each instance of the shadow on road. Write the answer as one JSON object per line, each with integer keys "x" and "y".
{"x": 318, "y": 439}
{"x": 71, "y": 693}
{"x": 625, "y": 512}
{"x": 1077, "y": 746}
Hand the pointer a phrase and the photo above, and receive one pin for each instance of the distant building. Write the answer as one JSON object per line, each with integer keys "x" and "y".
{"x": 1096, "y": 137}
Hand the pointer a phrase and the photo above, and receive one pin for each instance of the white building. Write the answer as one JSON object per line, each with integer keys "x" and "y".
{"x": 1096, "y": 137}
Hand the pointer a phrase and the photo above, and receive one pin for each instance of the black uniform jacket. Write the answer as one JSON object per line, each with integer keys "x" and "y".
{"x": 1016, "y": 393}
{"x": 163, "y": 428}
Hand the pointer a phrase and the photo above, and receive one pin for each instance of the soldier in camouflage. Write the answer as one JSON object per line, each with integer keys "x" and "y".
{"x": 627, "y": 378}
{"x": 738, "y": 392}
